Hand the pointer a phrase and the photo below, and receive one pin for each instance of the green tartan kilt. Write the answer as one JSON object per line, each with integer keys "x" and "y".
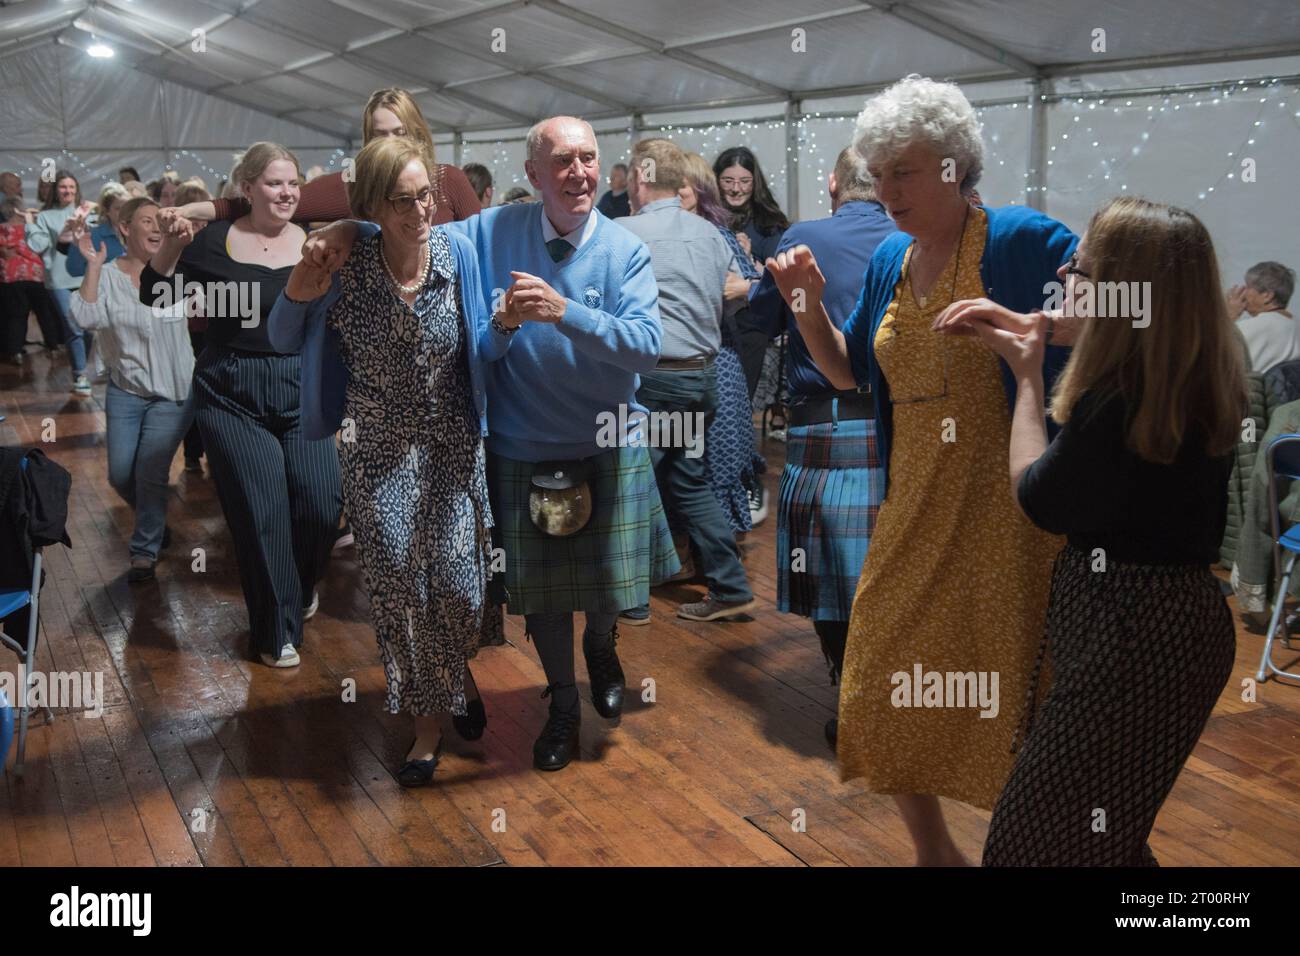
{"x": 606, "y": 567}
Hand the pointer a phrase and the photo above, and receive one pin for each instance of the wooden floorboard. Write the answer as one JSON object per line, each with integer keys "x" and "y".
{"x": 202, "y": 757}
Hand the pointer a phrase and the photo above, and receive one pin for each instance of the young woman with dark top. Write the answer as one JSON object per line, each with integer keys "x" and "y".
{"x": 1140, "y": 637}
{"x": 759, "y": 224}
{"x": 744, "y": 192}
{"x": 280, "y": 492}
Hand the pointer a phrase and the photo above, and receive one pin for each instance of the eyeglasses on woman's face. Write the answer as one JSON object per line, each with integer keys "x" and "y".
{"x": 1072, "y": 267}
{"x": 404, "y": 205}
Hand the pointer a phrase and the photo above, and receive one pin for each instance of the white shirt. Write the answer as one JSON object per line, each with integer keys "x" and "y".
{"x": 1271, "y": 338}
{"x": 575, "y": 238}
{"x": 147, "y": 351}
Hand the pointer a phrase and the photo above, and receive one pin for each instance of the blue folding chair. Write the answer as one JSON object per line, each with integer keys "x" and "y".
{"x": 6, "y": 727}
{"x": 1282, "y": 458}
{"x": 11, "y": 601}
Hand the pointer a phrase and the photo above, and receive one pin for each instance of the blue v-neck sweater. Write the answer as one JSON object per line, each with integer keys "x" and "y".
{"x": 551, "y": 382}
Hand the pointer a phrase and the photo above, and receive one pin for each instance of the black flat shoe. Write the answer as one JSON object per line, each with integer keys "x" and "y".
{"x": 833, "y": 732}
{"x": 558, "y": 743}
{"x": 606, "y": 675}
{"x": 418, "y": 773}
{"x": 472, "y": 725}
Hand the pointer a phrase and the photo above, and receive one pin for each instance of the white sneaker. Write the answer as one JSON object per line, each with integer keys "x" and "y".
{"x": 310, "y": 610}
{"x": 81, "y": 386}
{"x": 288, "y": 658}
{"x": 757, "y": 505}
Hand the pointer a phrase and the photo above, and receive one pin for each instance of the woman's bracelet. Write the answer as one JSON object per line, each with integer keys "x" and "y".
{"x": 501, "y": 327}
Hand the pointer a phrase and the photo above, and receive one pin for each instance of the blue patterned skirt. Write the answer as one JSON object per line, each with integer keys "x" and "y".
{"x": 729, "y": 442}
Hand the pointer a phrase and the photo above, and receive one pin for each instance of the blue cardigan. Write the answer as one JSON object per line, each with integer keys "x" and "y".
{"x": 1022, "y": 251}
{"x": 294, "y": 326}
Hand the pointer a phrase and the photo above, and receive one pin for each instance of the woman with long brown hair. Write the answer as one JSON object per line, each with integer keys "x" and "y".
{"x": 1140, "y": 635}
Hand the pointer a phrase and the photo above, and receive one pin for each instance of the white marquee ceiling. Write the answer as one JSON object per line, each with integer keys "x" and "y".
{"x": 487, "y": 64}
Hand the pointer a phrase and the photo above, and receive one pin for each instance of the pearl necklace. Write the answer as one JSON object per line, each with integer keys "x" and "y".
{"x": 419, "y": 282}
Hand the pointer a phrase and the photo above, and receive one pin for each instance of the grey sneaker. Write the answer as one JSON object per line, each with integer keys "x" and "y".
{"x": 713, "y": 609}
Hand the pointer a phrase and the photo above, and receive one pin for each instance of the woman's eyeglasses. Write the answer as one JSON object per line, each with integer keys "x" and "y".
{"x": 406, "y": 204}
{"x": 726, "y": 182}
{"x": 1072, "y": 267}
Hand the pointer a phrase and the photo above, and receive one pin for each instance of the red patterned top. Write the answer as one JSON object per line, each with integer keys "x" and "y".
{"x": 22, "y": 265}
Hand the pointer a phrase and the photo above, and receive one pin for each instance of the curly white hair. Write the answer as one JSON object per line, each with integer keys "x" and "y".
{"x": 917, "y": 108}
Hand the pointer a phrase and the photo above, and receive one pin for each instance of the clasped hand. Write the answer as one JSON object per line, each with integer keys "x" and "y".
{"x": 1019, "y": 338}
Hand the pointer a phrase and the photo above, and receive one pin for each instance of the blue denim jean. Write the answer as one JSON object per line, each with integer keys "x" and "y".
{"x": 684, "y": 483}
{"x": 143, "y": 435}
{"x": 76, "y": 335}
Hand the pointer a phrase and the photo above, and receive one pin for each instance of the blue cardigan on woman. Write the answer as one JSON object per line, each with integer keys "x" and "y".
{"x": 292, "y": 326}
{"x": 1022, "y": 251}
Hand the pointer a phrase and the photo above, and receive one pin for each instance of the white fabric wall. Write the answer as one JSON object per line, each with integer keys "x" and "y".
{"x": 105, "y": 115}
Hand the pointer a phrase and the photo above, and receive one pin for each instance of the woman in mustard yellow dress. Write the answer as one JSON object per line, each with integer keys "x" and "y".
{"x": 952, "y": 600}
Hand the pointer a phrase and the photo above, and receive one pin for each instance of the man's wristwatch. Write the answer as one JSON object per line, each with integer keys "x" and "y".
{"x": 501, "y": 327}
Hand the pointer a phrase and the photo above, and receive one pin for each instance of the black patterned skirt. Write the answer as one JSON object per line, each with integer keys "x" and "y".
{"x": 1139, "y": 655}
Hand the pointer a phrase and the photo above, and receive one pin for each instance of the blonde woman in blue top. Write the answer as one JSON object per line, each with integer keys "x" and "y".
{"x": 61, "y": 220}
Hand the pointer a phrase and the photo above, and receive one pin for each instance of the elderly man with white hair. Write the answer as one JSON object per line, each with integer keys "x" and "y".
{"x": 578, "y": 302}
{"x": 955, "y": 583}
{"x": 579, "y": 520}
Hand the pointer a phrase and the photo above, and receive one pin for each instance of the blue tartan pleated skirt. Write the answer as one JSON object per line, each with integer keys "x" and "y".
{"x": 831, "y": 490}
{"x": 608, "y": 566}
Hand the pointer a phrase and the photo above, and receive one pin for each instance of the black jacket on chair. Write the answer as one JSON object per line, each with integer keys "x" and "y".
{"x": 33, "y": 513}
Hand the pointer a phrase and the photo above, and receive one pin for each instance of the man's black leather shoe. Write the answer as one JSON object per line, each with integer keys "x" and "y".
{"x": 606, "y": 675}
{"x": 558, "y": 743}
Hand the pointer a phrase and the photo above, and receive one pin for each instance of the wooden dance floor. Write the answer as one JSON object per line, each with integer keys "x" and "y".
{"x": 202, "y": 757}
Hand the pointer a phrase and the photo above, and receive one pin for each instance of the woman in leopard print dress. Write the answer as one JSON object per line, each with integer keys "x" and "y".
{"x": 407, "y": 331}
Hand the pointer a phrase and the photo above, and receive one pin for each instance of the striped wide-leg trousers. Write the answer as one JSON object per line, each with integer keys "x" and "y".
{"x": 280, "y": 493}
